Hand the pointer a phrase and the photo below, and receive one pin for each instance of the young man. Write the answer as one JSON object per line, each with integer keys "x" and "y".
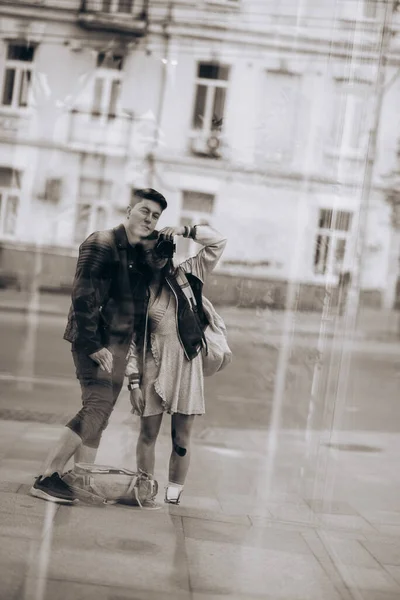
{"x": 109, "y": 298}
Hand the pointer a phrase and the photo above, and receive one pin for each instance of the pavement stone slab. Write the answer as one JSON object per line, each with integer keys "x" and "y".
{"x": 350, "y": 552}
{"x": 24, "y": 488}
{"x": 111, "y": 526}
{"x": 262, "y": 522}
{"x": 238, "y": 505}
{"x": 387, "y": 552}
{"x": 9, "y": 486}
{"x": 201, "y": 502}
{"x": 347, "y": 522}
{"x": 14, "y": 559}
{"x": 16, "y": 525}
{"x": 316, "y": 544}
{"x": 377, "y": 595}
{"x": 319, "y": 550}
{"x": 233, "y": 569}
{"x": 231, "y": 533}
{"x": 384, "y": 538}
{"x": 320, "y": 506}
{"x": 207, "y": 515}
{"x": 69, "y": 590}
{"x": 292, "y": 512}
{"x": 277, "y": 497}
{"x": 343, "y": 534}
{"x": 112, "y": 552}
{"x": 22, "y": 504}
{"x": 365, "y": 578}
{"x": 382, "y": 517}
{"x": 212, "y": 596}
{"x": 391, "y": 531}
{"x": 155, "y": 569}
{"x": 117, "y": 547}
{"x": 394, "y": 571}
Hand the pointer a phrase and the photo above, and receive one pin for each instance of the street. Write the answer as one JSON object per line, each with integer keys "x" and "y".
{"x": 37, "y": 380}
{"x": 299, "y": 515}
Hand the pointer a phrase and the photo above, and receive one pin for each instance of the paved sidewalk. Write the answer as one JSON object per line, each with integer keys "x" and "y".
{"x": 378, "y": 325}
{"x": 321, "y": 521}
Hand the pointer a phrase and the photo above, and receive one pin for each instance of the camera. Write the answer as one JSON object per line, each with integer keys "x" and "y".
{"x": 161, "y": 246}
{"x": 164, "y": 247}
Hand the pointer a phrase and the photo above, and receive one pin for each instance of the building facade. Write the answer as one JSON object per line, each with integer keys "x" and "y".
{"x": 253, "y": 116}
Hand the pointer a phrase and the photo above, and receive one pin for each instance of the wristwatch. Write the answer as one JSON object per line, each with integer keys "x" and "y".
{"x": 190, "y": 232}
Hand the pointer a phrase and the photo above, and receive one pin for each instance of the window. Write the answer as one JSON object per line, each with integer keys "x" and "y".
{"x": 370, "y": 8}
{"x": 107, "y": 86}
{"x": 350, "y": 124}
{"x": 9, "y": 201}
{"x": 53, "y": 189}
{"x": 17, "y": 75}
{"x": 278, "y": 116}
{"x": 209, "y": 106}
{"x": 117, "y": 6}
{"x": 197, "y": 209}
{"x": 92, "y": 207}
{"x": 331, "y": 243}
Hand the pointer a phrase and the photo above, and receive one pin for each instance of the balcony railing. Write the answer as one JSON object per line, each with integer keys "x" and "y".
{"x": 102, "y": 132}
{"x": 115, "y": 16}
{"x": 14, "y": 125}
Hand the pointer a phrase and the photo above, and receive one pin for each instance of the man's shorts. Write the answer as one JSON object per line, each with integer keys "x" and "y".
{"x": 100, "y": 391}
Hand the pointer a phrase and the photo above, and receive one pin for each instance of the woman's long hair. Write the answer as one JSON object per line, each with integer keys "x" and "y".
{"x": 146, "y": 260}
{"x": 168, "y": 270}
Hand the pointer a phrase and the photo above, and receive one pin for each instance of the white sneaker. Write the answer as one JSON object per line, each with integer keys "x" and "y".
{"x": 175, "y": 496}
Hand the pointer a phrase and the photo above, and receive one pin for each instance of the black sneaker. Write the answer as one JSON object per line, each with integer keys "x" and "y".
{"x": 53, "y": 489}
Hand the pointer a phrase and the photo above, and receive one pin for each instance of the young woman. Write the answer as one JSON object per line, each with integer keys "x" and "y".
{"x": 165, "y": 367}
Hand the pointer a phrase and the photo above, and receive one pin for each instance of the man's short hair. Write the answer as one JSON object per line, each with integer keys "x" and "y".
{"x": 148, "y": 194}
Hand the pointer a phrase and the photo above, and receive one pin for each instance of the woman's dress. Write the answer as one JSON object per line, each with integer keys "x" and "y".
{"x": 171, "y": 383}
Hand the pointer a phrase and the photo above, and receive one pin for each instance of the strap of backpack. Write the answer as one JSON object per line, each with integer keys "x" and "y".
{"x": 185, "y": 286}
{"x": 94, "y": 496}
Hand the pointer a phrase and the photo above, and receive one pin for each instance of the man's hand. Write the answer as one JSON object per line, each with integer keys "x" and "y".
{"x": 104, "y": 359}
{"x": 137, "y": 400}
{"x": 171, "y": 231}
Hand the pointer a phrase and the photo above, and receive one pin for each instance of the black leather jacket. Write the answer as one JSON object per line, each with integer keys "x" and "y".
{"x": 109, "y": 293}
{"x": 190, "y": 328}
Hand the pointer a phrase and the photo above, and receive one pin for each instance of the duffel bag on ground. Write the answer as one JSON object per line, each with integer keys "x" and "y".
{"x": 102, "y": 484}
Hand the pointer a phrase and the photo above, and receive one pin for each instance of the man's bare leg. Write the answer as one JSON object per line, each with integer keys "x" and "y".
{"x": 66, "y": 447}
{"x": 85, "y": 454}
{"x": 49, "y": 485}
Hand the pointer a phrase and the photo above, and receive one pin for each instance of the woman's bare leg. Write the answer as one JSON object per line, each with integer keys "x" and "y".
{"x": 181, "y": 429}
{"x": 146, "y": 444}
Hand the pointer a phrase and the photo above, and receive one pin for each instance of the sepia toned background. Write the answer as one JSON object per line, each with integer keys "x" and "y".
{"x": 278, "y": 123}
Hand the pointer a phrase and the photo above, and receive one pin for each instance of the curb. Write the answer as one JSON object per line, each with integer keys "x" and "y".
{"x": 25, "y": 310}
{"x": 232, "y": 326}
